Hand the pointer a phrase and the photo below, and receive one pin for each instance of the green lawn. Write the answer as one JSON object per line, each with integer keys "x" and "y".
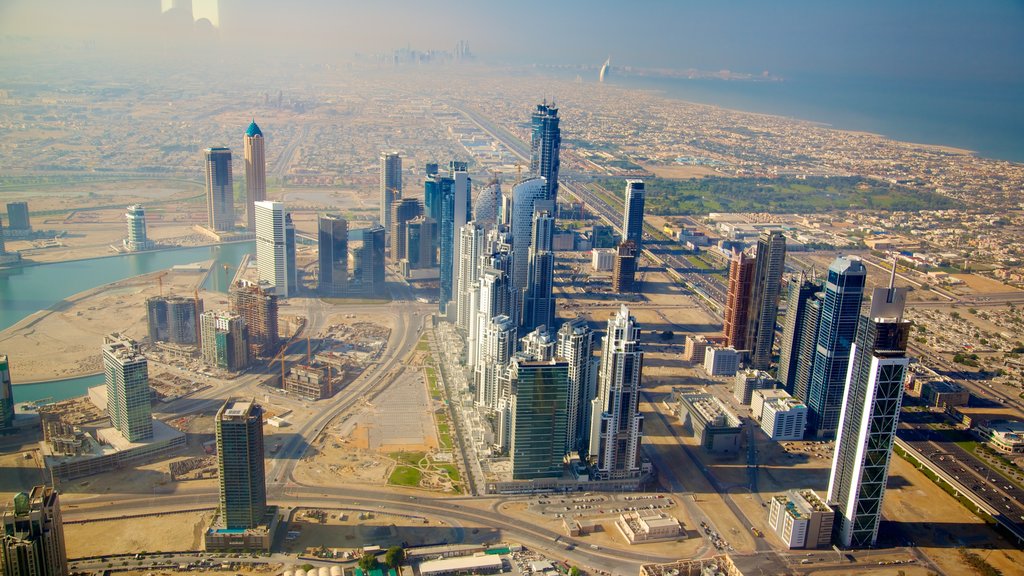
{"x": 405, "y": 476}
{"x": 453, "y": 471}
{"x": 411, "y": 458}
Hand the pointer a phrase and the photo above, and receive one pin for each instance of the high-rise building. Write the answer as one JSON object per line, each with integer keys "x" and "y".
{"x": 487, "y": 208}
{"x": 402, "y": 212}
{"x": 18, "y": 218}
{"x": 525, "y": 194}
{"x": 808, "y": 346}
{"x": 538, "y": 410}
{"x": 128, "y": 396}
{"x": 271, "y": 247}
{"x": 497, "y": 346}
{"x": 332, "y": 240}
{"x": 633, "y": 215}
{"x": 173, "y": 319}
{"x": 257, "y": 305}
{"x": 220, "y": 192}
{"x": 576, "y": 346}
{"x": 32, "y": 541}
{"x": 837, "y": 328}
{"x": 737, "y": 300}
{"x": 255, "y": 173}
{"x": 225, "y": 340}
{"x": 432, "y": 192}
{"x": 390, "y": 185}
{"x": 243, "y": 488}
{"x": 3, "y": 247}
{"x": 467, "y": 291}
{"x": 799, "y": 293}
{"x": 421, "y": 242}
{"x": 367, "y": 279}
{"x": 764, "y": 297}
{"x": 869, "y": 416}
{"x": 624, "y": 268}
{"x": 539, "y": 344}
{"x": 545, "y": 142}
{"x": 455, "y": 211}
{"x": 6, "y": 394}
{"x": 136, "y": 218}
{"x": 291, "y": 268}
{"x": 540, "y": 302}
{"x": 616, "y": 425}
{"x": 493, "y": 299}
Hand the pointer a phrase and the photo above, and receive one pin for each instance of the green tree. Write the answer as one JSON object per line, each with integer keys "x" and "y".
{"x": 394, "y": 557}
{"x": 574, "y": 571}
{"x": 367, "y": 562}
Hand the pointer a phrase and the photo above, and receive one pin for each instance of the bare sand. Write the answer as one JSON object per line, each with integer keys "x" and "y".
{"x": 164, "y": 532}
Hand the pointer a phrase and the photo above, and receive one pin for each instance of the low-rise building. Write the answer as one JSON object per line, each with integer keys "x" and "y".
{"x": 781, "y": 416}
{"x": 944, "y": 393}
{"x": 721, "y": 565}
{"x": 710, "y": 420}
{"x": 481, "y": 564}
{"x": 312, "y": 382}
{"x": 1006, "y": 436}
{"x": 801, "y": 519}
{"x": 721, "y": 361}
{"x": 648, "y": 526}
{"x": 694, "y": 349}
{"x": 749, "y": 380}
{"x": 602, "y": 259}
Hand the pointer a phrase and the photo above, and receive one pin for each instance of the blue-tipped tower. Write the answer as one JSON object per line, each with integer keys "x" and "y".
{"x": 253, "y": 130}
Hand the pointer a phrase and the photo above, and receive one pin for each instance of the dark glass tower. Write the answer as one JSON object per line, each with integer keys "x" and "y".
{"x": 764, "y": 297}
{"x": 840, "y": 310}
{"x": 6, "y": 394}
{"x": 539, "y": 420}
{"x": 332, "y": 237}
{"x": 220, "y": 194}
{"x": 798, "y": 294}
{"x": 540, "y": 303}
{"x": 545, "y": 141}
{"x": 243, "y": 488}
{"x": 633, "y": 215}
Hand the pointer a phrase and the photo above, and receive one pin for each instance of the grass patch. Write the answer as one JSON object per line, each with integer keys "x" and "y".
{"x": 452, "y": 470}
{"x": 405, "y": 476}
{"x": 435, "y": 392}
{"x": 410, "y": 458}
{"x": 423, "y": 345}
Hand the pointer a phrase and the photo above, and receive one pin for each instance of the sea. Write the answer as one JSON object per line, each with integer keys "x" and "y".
{"x": 985, "y": 117}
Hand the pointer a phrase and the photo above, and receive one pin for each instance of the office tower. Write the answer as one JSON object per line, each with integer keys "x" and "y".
{"x": 497, "y": 346}
{"x": 539, "y": 344}
{"x": 255, "y": 173}
{"x": 524, "y": 195}
{"x": 633, "y": 215}
{"x": 808, "y": 345}
{"x": 624, "y": 268}
{"x": 257, "y": 305}
{"x": 837, "y": 327}
{"x": 173, "y": 319}
{"x": 799, "y": 293}
{"x": 390, "y": 185}
{"x": 538, "y": 410}
{"x": 455, "y": 211}
{"x": 737, "y": 300}
{"x": 488, "y": 205}
{"x": 471, "y": 246}
{"x": 421, "y": 242}
{"x": 3, "y": 247}
{"x": 136, "y": 240}
{"x": 545, "y": 141}
{"x": 432, "y": 192}
{"x": 539, "y": 301}
{"x": 32, "y": 541}
{"x": 225, "y": 340}
{"x": 576, "y": 346}
{"x": 367, "y": 277}
{"x": 291, "y": 268}
{"x": 128, "y": 396}
{"x": 402, "y": 212}
{"x": 764, "y": 297}
{"x": 493, "y": 299}
{"x": 430, "y": 169}
{"x": 6, "y": 394}
{"x": 617, "y": 424}
{"x": 243, "y": 489}
{"x": 271, "y": 247}
{"x": 17, "y": 217}
{"x": 332, "y": 241}
{"x": 220, "y": 192}
{"x": 869, "y": 416}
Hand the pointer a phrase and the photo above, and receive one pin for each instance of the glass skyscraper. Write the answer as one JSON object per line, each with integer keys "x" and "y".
{"x": 633, "y": 215}
{"x": 798, "y": 295}
{"x": 332, "y": 238}
{"x": 220, "y": 193}
{"x": 243, "y": 489}
{"x": 128, "y": 397}
{"x": 539, "y": 418}
{"x": 545, "y": 141}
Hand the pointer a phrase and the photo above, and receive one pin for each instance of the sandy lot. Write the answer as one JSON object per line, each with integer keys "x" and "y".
{"x": 166, "y": 532}
{"x": 348, "y": 529}
{"x": 983, "y": 285}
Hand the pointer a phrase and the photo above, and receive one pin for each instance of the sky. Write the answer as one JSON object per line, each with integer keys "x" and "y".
{"x": 975, "y": 40}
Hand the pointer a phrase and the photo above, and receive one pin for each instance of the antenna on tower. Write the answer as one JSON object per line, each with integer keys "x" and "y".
{"x": 892, "y": 277}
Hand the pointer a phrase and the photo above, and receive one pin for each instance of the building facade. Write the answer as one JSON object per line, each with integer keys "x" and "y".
{"x": 764, "y": 298}
{"x": 633, "y": 214}
{"x": 799, "y": 293}
{"x": 539, "y": 418}
{"x": 545, "y": 144}
{"x": 272, "y": 249}
{"x": 332, "y": 255}
{"x": 257, "y": 305}
{"x": 220, "y": 193}
{"x": 576, "y": 346}
{"x": 128, "y": 397}
{"x": 737, "y": 300}
{"x": 624, "y": 268}
{"x": 136, "y": 240}
{"x": 6, "y": 395}
{"x": 225, "y": 340}
{"x": 255, "y": 173}
{"x": 174, "y": 319}
{"x": 390, "y": 185}
{"x": 242, "y": 481}
{"x": 616, "y": 426}
{"x": 32, "y": 541}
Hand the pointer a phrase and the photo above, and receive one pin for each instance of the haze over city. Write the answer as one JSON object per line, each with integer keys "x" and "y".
{"x": 316, "y": 289}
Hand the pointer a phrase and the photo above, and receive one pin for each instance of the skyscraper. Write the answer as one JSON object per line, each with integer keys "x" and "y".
{"x": 633, "y": 215}
{"x": 497, "y": 346}
{"x": 539, "y": 344}
{"x": 870, "y": 414}
{"x": 243, "y": 489}
{"x": 837, "y": 327}
{"x": 576, "y": 346}
{"x": 764, "y": 297}
{"x": 494, "y": 298}
{"x": 540, "y": 302}
{"x": 799, "y": 293}
{"x": 18, "y": 218}
{"x": 367, "y": 277}
{"x": 128, "y": 396}
{"x": 488, "y": 204}
{"x": 538, "y": 410}
{"x": 402, "y": 212}
{"x": 421, "y": 242}
{"x": 225, "y": 340}
{"x": 455, "y": 211}
{"x": 801, "y": 382}
{"x": 332, "y": 240}
{"x": 616, "y": 425}
{"x": 257, "y": 305}
{"x": 291, "y": 268}
{"x": 624, "y": 268}
{"x": 136, "y": 218}
{"x": 737, "y": 300}
{"x": 545, "y": 141}
{"x": 220, "y": 193}
{"x": 271, "y": 247}
{"x": 524, "y": 196}
{"x": 390, "y": 185}
{"x": 471, "y": 246}
{"x": 6, "y": 394}
{"x": 32, "y": 541}
{"x": 173, "y": 319}
{"x": 255, "y": 173}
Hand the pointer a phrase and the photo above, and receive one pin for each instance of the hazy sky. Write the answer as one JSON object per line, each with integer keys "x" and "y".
{"x": 976, "y": 39}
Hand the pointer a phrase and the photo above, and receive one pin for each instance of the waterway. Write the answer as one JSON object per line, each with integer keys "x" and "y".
{"x": 29, "y": 289}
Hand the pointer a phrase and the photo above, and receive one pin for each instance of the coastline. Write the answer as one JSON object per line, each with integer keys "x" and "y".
{"x": 31, "y": 263}
{"x": 55, "y": 380}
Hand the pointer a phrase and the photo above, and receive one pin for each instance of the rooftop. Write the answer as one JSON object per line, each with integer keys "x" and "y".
{"x": 254, "y": 130}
